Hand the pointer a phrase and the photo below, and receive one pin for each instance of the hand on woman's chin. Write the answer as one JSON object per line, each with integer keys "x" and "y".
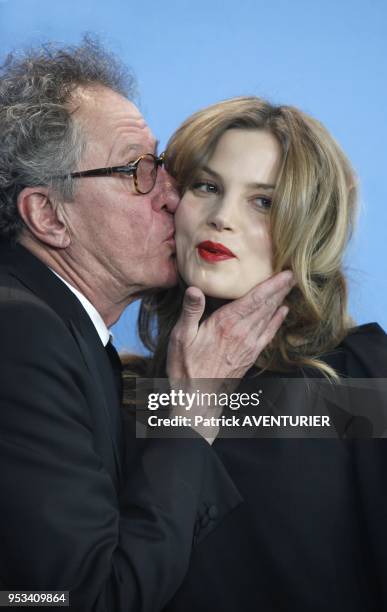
{"x": 215, "y": 298}
{"x": 215, "y": 294}
{"x": 220, "y": 288}
{"x": 219, "y": 294}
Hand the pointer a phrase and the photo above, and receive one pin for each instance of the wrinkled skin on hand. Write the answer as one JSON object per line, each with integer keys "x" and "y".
{"x": 228, "y": 343}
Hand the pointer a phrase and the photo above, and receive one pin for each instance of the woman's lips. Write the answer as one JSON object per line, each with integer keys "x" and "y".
{"x": 214, "y": 251}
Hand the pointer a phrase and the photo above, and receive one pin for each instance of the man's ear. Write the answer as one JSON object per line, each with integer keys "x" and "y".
{"x": 42, "y": 217}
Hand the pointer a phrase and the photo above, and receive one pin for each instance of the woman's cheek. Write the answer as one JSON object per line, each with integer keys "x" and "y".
{"x": 182, "y": 253}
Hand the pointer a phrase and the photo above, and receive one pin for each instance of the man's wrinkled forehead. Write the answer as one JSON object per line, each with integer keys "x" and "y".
{"x": 133, "y": 123}
{"x": 109, "y": 115}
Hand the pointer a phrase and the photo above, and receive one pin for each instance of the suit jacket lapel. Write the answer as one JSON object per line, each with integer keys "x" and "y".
{"x": 106, "y": 394}
{"x": 48, "y": 287}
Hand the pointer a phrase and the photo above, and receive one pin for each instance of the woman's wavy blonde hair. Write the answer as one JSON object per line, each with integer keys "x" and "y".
{"x": 311, "y": 219}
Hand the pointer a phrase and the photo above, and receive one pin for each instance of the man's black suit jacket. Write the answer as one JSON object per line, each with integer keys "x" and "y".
{"x": 69, "y": 518}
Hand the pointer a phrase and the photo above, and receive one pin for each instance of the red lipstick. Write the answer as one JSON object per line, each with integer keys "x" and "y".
{"x": 214, "y": 251}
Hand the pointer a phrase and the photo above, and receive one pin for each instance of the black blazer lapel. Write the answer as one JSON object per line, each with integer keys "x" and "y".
{"x": 38, "y": 278}
{"x": 110, "y": 435}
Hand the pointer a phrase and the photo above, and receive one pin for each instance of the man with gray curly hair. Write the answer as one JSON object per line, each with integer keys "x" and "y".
{"x": 86, "y": 227}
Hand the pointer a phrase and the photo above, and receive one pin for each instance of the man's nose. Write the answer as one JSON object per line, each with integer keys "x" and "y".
{"x": 167, "y": 197}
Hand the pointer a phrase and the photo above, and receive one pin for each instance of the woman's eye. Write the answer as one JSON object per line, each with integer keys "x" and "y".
{"x": 204, "y": 187}
{"x": 262, "y": 203}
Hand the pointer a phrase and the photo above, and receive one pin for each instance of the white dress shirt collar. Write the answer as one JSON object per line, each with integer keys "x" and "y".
{"x": 94, "y": 315}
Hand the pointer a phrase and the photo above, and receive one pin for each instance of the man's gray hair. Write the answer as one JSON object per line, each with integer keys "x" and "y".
{"x": 39, "y": 138}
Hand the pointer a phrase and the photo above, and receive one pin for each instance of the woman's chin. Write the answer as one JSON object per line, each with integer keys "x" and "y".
{"x": 217, "y": 288}
{"x": 223, "y": 295}
{"x": 220, "y": 293}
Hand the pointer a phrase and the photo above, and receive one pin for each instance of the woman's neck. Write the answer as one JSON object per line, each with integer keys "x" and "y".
{"x": 213, "y": 304}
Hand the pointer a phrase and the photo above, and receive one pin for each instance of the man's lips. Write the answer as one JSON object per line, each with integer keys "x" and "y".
{"x": 171, "y": 236}
{"x": 214, "y": 251}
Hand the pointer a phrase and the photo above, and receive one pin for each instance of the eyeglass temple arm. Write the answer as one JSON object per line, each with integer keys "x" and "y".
{"x": 101, "y": 172}
{"x": 128, "y": 169}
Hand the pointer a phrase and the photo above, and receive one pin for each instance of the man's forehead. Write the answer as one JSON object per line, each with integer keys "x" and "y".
{"x": 100, "y": 103}
{"x": 130, "y": 148}
{"x": 107, "y": 110}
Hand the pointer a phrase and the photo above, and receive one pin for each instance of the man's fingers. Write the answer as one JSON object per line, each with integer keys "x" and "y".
{"x": 186, "y": 328}
{"x": 269, "y": 305}
{"x": 271, "y": 329}
{"x": 270, "y": 287}
{"x": 271, "y": 292}
{"x": 268, "y": 295}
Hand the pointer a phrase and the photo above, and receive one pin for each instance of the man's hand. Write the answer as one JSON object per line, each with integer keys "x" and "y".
{"x": 229, "y": 342}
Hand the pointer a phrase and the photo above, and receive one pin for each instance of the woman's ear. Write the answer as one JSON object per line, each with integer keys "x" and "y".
{"x": 42, "y": 217}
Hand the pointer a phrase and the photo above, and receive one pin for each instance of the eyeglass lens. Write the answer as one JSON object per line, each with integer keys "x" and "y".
{"x": 146, "y": 174}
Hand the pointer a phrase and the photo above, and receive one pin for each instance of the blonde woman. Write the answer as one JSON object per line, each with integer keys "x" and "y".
{"x": 266, "y": 188}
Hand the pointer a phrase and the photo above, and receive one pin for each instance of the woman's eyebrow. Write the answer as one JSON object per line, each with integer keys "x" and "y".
{"x": 209, "y": 171}
{"x": 265, "y": 186}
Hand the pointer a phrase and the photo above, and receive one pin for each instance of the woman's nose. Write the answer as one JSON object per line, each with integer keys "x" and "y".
{"x": 222, "y": 216}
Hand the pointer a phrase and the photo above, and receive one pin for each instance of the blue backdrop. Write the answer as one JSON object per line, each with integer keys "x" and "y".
{"x": 327, "y": 57}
